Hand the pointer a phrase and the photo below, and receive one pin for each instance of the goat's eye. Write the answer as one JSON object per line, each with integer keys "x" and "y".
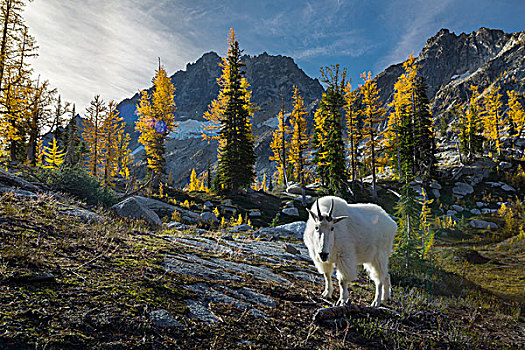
{"x": 332, "y": 229}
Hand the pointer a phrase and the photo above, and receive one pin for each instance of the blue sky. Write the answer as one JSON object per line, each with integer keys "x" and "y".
{"x": 109, "y": 47}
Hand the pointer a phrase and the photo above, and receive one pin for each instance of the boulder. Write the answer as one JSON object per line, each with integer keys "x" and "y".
{"x": 82, "y": 214}
{"x": 458, "y": 208}
{"x": 255, "y": 214}
{"x": 436, "y": 193}
{"x": 297, "y": 228}
{"x": 159, "y": 207}
{"x": 505, "y": 165}
{"x": 209, "y": 217}
{"x": 451, "y": 212}
{"x": 134, "y": 209}
{"x": 481, "y": 204}
{"x": 308, "y": 199}
{"x": 462, "y": 189}
{"x": 435, "y": 185}
{"x": 228, "y": 202}
{"x": 297, "y": 189}
{"x": 291, "y": 211}
{"x": 475, "y": 211}
{"x": 208, "y": 205}
{"x": 241, "y": 228}
{"x": 483, "y": 224}
{"x": 289, "y": 204}
{"x": 508, "y": 188}
{"x": 488, "y": 211}
{"x": 291, "y": 249}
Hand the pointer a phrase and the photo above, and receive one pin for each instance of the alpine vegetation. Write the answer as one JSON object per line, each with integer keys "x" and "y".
{"x": 343, "y": 235}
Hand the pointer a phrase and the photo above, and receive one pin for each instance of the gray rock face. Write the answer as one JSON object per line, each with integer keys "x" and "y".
{"x": 83, "y": 214}
{"x": 450, "y": 63}
{"x": 135, "y": 209}
{"x": 235, "y": 265}
{"x": 164, "y": 319}
{"x": 18, "y": 192}
{"x": 483, "y": 224}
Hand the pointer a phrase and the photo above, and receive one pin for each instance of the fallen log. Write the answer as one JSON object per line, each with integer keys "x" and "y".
{"x": 330, "y": 313}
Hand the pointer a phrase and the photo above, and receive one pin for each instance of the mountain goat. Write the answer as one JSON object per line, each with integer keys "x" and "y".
{"x": 343, "y": 235}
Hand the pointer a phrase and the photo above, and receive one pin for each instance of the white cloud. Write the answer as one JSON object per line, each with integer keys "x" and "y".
{"x": 103, "y": 47}
{"x": 417, "y": 21}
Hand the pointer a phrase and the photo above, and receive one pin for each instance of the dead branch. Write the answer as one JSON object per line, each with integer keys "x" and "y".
{"x": 132, "y": 193}
{"x": 330, "y": 313}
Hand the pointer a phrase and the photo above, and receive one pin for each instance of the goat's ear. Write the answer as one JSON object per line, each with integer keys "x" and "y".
{"x": 339, "y": 218}
{"x": 312, "y": 214}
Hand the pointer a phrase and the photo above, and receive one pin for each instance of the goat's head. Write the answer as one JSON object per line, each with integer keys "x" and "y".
{"x": 323, "y": 235}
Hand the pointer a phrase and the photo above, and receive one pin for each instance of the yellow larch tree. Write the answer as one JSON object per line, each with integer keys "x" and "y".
{"x": 111, "y": 130}
{"x": 280, "y": 146}
{"x": 373, "y": 115}
{"x": 353, "y": 130}
{"x": 53, "y": 156}
{"x": 91, "y": 131}
{"x": 516, "y": 114}
{"x": 299, "y": 142}
{"x": 156, "y": 121}
{"x": 493, "y": 119}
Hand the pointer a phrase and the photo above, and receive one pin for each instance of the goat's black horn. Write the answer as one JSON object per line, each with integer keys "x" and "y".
{"x": 318, "y": 210}
{"x": 331, "y": 209}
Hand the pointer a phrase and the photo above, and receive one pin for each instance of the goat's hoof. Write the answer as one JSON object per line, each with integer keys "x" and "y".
{"x": 326, "y": 294}
{"x": 375, "y": 303}
{"x": 342, "y": 302}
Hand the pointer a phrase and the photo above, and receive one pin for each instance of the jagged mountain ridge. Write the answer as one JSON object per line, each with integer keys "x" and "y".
{"x": 268, "y": 76}
{"x": 449, "y": 63}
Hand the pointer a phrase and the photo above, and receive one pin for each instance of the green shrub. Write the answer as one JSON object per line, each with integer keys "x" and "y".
{"x": 78, "y": 183}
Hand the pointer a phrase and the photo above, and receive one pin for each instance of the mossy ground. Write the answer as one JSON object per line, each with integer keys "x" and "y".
{"x": 108, "y": 278}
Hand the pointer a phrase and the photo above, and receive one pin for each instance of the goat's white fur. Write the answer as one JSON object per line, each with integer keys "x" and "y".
{"x": 355, "y": 234}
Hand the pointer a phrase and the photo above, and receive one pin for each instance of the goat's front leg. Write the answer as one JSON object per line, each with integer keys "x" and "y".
{"x": 328, "y": 288}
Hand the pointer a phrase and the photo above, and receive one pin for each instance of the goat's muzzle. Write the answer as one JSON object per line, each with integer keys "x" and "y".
{"x": 323, "y": 256}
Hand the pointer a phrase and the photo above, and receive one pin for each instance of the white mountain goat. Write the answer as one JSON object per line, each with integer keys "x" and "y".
{"x": 343, "y": 235}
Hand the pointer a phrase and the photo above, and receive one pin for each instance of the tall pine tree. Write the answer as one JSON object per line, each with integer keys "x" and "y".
{"x": 236, "y": 144}
{"x": 329, "y": 154}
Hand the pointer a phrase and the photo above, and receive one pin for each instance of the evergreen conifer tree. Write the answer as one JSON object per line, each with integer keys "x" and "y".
{"x": 236, "y": 145}
{"x": 424, "y": 143}
{"x": 329, "y": 154}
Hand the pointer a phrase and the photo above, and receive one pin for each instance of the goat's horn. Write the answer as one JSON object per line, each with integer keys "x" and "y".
{"x": 331, "y": 209}
{"x": 318, "y": 210}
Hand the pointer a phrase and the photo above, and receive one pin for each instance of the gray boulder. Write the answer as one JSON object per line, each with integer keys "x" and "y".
{"x": 241, "y": 228}
{"x": 475, "y": 211}
{"x": 209, "y": 217}
{"x": 462, "y": 189}
{"x": 458, "y": 208}
{"x": 483, "y": 224}
{"x": 297, "y": 228}
{"x": 255, "y": 214}
{"x": 297, "y": 189}
{"x": 436, "y": 193}
{"x": 134, "y": 208}
{"x": 291, "y": 211}
{"x": 159, "y": 207}
{"x": 435, "y": 185}
{"x": 508, "y": 188}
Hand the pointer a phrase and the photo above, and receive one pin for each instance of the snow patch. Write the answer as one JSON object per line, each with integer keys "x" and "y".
{"x": 189, "y": 129}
